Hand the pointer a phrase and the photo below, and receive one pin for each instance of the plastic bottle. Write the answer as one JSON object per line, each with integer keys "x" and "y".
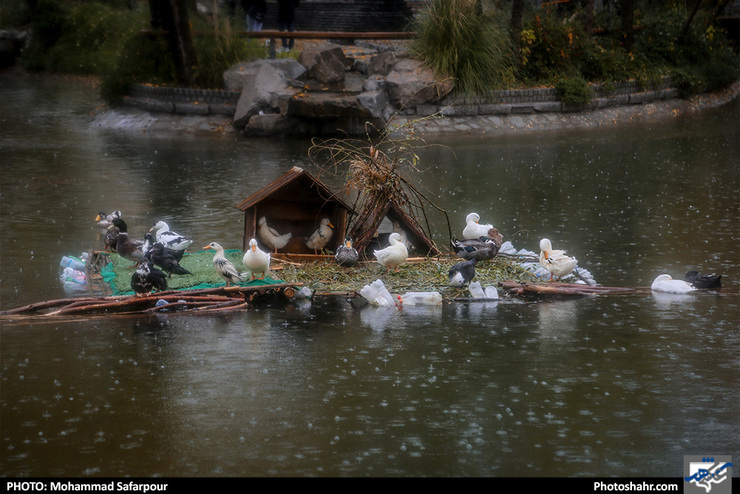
{"x": 422, "y": 298}
{"x": 73, "y": 276}
{"x": 72, "y": 262}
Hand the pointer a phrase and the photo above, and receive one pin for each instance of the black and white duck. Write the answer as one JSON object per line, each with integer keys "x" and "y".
{"x": 168, "y": 238}
{"x": 133, "y": 250}
{"x": 321, "y": 236}
{"x": 346, "y": 255}
{"x": 462, "y": 273}
{"x": 106, "y": 220}
{"x": 147, "y": 279}
{"x": 703, "y": 280}
{"x": 161, "y": 256}
{"x": 224, "y": 267}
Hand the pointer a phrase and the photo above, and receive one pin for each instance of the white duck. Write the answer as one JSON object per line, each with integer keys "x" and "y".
{"x": 665, "y": 283}
{"x": 224, "y": 267}
{"x": 394, "y": 255}
{"x": 270, "y": 237}
{"x": 168, "y": 238}
{"x": 319, "y": 238}
{"x": 256, "y": 261}
{"x": 555, "y": 261}
{"x": 473, "y": 229}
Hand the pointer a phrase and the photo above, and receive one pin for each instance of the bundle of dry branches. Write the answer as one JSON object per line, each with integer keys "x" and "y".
{"x": 378, "y": 172}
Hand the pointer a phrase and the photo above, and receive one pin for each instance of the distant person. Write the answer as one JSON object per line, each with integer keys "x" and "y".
{"x": 286, "y": 21}
{"x": 256, "y": 15}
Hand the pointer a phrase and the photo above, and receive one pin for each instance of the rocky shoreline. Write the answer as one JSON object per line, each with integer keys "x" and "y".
{"x": 332, "y": 89}
{"x": 132, "y": 119}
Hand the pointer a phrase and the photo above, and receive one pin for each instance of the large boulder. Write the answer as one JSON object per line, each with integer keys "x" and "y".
{"x": 265, "y": 90}
{"x": 410, "y": 83}
{"x": 324, "y": 63}
{"x": 239, "y": 74}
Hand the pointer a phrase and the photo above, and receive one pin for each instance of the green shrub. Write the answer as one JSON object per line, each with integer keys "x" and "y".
{"x": 573, "y": 90}
{"x": 143, "y": 59}
{"x": 455, "y": 40}
{"x": 550, "y": 47}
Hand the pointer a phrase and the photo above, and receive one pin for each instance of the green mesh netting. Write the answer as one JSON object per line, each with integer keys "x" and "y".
{"x": 118, "y": 272}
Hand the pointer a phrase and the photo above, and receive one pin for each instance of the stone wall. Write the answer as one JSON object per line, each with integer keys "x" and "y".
{"x": 193, "y": 101}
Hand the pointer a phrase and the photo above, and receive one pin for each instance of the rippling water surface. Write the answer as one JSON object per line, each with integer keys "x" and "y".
{"x": 603, "y": 386}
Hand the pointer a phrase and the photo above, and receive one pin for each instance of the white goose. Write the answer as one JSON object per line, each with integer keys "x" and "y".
{"x": 256, "y": 261}
{"x": 168, "y": 238}
{"x": 473, "y": 229}
{"x": 555, "y": 261}
{"x": 394, "y": 255}
{"x": 270, "y": 237}
{"x": 666, "y": 283}
{"x": 224, "y": 267}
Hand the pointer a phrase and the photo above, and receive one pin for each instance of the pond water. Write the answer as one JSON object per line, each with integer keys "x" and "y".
{"x": 593, "y": 386}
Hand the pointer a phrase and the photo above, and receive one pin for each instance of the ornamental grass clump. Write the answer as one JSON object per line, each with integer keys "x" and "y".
{"x": 458, "y": 41}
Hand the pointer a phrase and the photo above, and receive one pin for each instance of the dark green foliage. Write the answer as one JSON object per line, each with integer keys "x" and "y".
{"x": 457, "y": 41}
{"x": 143, "y": 59}
{"x": 573, "y": 90}
{"x": 83, "y": 39}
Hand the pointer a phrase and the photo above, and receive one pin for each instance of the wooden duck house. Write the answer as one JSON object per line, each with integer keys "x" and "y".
{"x": 294, "y": 203}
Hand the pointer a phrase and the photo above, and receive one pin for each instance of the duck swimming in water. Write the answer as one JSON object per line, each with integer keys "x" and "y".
{"x": 703, "y": 280}
{"x": 106, "y": 220}
{"x": 224, "y": 267}
{"x": 346, "y": 255}
{"x": 555, "y": 261}
{"x": 665, "y": 283}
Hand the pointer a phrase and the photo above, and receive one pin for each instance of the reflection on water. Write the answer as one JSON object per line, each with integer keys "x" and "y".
{"x": 605, "y": 386}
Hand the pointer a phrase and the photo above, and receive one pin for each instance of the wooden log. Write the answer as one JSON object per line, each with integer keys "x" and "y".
{"x": 566, "y": 289}
{"x": 220, "y": 298}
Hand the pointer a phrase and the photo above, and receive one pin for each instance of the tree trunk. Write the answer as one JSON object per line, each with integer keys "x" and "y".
{"x": 517, "y": 10}
{"x": 172, "y": 17}
{"x": 687, "y": 25}
{"x": 181, "y": 43}
{"x": 628, "y": 20}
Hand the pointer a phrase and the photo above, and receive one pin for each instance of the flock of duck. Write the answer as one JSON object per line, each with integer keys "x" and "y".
{"x": 158, "y": 256}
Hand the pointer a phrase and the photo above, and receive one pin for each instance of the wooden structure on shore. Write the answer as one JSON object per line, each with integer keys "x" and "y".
{"x": 295, "y": 202}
